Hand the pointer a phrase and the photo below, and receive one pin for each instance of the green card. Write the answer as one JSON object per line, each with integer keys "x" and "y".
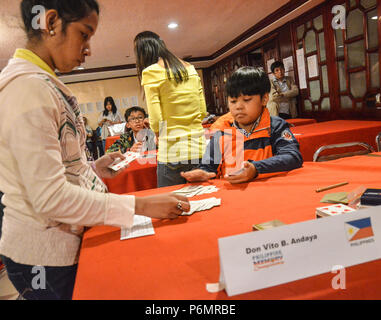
{"x": 338, "y": 197}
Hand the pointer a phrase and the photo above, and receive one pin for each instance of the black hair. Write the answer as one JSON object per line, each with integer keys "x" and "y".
{"x": 68, "y": 10}
{"x": 114, "y": 109}
{"x": 248, "y": 81}
{"x": 134, "y": 109}
{"x": 276, "y": 64}
{"x": 149, "y": 48}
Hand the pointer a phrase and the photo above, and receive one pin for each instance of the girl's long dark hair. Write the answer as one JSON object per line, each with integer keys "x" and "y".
{"x": 111, "y": 100}
{"x": 149, "y": 48}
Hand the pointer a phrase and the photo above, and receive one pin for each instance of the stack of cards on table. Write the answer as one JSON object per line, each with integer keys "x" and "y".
{"x": 118, "y": 164}
{"x": 191, "y": 191}
{"x": 333, "y": 210}
{"x": 141, "y": 227}
{"x": 201, "y": 205}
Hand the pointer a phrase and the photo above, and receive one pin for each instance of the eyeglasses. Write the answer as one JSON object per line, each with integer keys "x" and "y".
{"x": 137, "y": 119}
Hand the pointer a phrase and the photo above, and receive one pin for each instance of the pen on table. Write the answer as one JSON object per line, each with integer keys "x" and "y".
{"x": 331, "y": 186}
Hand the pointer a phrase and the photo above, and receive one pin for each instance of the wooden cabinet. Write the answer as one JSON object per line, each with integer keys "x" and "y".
{"x": 342, "y": 66}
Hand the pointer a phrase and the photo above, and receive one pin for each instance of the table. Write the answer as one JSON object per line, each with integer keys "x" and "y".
{"x": 300, "y": 122}
{"x": 182, "y": 257}
{"x": 110, "y": 141}
{"x": 313, "y": 136}
{"x": 140, "y": 175}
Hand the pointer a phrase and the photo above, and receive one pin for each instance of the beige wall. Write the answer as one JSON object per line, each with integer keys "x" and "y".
{"x": 94, "y": 91}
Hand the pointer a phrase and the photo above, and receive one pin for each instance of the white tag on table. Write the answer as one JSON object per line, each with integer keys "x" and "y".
{"x": 263, "y": 259}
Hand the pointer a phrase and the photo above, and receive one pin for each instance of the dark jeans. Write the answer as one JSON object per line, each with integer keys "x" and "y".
{"x": 41, "y": 283}
{"x": 168, "y": 174}
{"x": 285, "y": 116}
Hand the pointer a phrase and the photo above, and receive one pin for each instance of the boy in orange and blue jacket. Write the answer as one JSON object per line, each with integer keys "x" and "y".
{"x": 253, "y": 143}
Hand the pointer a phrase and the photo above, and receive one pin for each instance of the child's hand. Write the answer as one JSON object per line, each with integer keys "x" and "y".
{"x": 146, "y": 123}
{"x": 248, "y": 173}
{"x": 136, "y": 147}
{"x": 198, "y": 175}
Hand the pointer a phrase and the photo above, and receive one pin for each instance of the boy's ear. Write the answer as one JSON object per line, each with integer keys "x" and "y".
{"x": 265, "y": 99}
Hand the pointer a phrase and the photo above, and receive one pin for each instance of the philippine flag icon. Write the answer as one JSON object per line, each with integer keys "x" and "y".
{"x": 359, "y": 229}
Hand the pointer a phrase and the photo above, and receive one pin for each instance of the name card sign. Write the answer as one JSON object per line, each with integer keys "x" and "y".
{"x": 267, "y": 258}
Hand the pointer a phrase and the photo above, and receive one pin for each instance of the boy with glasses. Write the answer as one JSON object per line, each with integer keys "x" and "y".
{"x": 137, "y": 137}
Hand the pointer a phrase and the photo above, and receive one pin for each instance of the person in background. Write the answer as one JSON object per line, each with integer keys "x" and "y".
{"x": 176, "y": 107}
{"x": 137, "y": 138}
{"x": 108, "y": 117}
{"x": 51, "y": 192}
{"x": 89, "y": 139}
{"x": 254, "y": 144}
{"x": 282, "y": 100}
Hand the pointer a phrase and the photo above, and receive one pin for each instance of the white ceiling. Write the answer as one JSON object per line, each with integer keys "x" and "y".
{"x": 205, "y": 26}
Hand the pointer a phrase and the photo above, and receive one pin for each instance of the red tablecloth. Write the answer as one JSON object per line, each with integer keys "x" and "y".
{"x": 140, "y": 175}
{"x": 312, "y": 136}
{"x": 182, "y": 257}
{"x": 300, "y": 122}
{"x": 110, "y": 141}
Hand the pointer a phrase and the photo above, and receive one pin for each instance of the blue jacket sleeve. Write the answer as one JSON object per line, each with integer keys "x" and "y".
{"x": 286, "y": 154}
{"x": 212, "y": 157}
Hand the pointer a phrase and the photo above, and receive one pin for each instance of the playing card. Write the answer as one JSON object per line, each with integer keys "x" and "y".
{"x": 333, "y": 210}
{"x": 119, "y": 164}
{"x": 201, "y": 205}
{"x": 191, "y": 191}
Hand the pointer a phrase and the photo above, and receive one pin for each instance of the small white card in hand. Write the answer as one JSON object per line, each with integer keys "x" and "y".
{"x": 142, "y": 227}
{"x": 191, "y": 191}
{"x": 130, "y": 156}
{"x": 201, "y": 205}
{"x": 333, "y": 210}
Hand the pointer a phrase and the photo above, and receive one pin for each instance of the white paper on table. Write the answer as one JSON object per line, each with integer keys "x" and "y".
{"x": 142, "y": 227}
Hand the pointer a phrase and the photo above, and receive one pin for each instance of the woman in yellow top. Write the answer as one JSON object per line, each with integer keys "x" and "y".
{"x": 176, "y": 107}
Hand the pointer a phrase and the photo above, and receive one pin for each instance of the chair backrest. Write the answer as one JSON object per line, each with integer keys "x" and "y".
{"x": 378, "y": 142}
{"x": 365, "y": 148}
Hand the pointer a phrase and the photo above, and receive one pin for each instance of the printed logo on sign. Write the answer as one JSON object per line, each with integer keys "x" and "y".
{"x": 286, "y": 135}
{"x": 358, "y": 230}
{"x": 268, "y": 259}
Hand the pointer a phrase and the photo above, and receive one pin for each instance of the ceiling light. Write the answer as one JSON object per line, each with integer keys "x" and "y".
{"x": 173, "y": 25}
{"x": 374, "y": 18}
